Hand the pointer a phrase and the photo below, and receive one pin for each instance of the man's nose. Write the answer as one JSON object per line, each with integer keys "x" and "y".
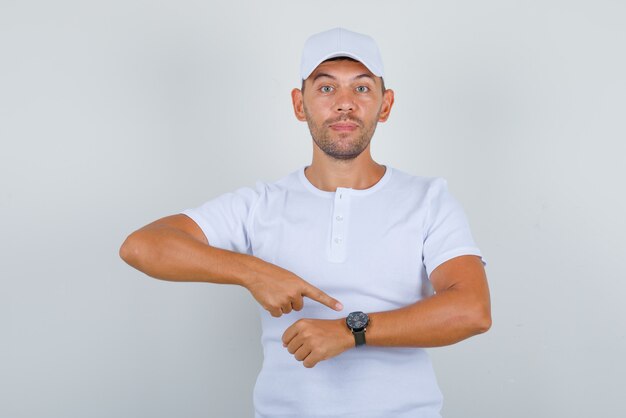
{"x": 344, "y": 101}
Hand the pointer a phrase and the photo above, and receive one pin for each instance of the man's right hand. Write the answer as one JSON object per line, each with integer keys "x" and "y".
{"x": 280, "y": 291}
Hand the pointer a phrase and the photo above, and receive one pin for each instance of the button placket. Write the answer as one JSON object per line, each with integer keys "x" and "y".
{"x": 339, "y": 229}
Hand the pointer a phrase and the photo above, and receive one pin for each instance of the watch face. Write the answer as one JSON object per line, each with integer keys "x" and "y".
{"x": 357, "y": 320}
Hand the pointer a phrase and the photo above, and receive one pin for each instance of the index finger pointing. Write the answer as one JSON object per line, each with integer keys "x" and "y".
{"x": 314, "y": 293}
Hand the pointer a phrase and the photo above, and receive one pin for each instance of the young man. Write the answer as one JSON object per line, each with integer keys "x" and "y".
{"x": 339, "y": 254}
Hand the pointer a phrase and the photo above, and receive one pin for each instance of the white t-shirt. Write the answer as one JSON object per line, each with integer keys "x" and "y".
{"x": 373, "y": 250}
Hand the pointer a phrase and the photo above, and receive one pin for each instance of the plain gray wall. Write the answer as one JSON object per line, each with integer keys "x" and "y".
{"x": 113, "y": 114}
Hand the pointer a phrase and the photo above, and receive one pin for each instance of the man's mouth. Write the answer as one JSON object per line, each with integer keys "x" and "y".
{"x": 344, "y": 126}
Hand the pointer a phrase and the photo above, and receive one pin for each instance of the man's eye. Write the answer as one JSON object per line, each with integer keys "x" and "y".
{"x": 326, "y": 89}
{"x": 362, "y": 89}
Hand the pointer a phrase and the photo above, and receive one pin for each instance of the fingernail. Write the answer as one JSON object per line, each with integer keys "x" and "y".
{"x": 339, "y": 306}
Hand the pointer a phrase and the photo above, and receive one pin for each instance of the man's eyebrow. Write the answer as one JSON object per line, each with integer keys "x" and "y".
{"x": 319, "y": 75}
{"x": 363, "y": 75}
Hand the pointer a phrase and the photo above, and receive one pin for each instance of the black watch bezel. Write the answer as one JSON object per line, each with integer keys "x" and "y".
{"x": 357, "y": 322}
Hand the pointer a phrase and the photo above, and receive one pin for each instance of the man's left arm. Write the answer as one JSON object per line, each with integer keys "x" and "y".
{"x": 459, "y": 309}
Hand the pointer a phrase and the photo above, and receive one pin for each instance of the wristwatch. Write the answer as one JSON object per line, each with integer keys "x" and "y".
{"x": 357, "y": 322}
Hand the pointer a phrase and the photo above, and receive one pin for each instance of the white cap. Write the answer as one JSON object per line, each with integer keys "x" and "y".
{"x": 339, "y": 42}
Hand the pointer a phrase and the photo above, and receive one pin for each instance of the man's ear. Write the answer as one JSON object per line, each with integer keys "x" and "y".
{"x": 385, "y": 109}
{"x": 298, "y": 104}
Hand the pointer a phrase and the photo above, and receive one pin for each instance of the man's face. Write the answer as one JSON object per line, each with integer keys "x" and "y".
{"x": 342, "y": 103}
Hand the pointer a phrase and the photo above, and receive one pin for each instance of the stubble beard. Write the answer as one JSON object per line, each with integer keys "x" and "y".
{"x": 339, "y": 148}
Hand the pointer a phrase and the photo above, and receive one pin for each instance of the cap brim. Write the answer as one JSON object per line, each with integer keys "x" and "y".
{"x": 374, "y": 71}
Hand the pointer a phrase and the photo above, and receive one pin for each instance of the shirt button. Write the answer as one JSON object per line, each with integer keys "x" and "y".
{"x": 338, "y": 240}
{"x": 339, "y": 218}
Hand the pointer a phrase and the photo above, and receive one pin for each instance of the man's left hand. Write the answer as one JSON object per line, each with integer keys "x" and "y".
{"x": 314, "y": 340}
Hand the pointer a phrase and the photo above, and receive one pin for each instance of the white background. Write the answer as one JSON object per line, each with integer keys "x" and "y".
{"x": 113, "y": 114}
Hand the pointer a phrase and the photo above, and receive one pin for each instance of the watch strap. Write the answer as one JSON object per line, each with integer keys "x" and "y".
{"x": 359, "y": 337}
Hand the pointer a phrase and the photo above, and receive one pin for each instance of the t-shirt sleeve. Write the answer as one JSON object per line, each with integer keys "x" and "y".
{"x": 447, "y": 233}
{"x": 226, "y": 219}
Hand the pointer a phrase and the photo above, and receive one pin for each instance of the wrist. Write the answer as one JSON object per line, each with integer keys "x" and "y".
{"x": 250, "y": 273}
{"x": 347, "y": 339}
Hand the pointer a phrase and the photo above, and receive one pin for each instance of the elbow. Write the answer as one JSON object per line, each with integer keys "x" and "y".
{"x": 475, "y": 318}
{"x": 484, "y": 324}
{"x": 129, "y": 251}
{"x": 481, "y": 321}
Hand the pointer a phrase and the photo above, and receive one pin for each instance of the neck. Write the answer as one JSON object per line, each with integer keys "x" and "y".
{"x": 360, "y": 173}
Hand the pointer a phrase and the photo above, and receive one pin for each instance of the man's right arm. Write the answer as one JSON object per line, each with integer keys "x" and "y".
{"x": 174, "y": 248}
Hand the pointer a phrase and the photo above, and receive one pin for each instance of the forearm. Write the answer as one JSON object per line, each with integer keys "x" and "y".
{"x": 166, "y": 253}
{"x": 442, "y": 319}
{"x": 460, "y": 308}
{"x": 175, "y": 249}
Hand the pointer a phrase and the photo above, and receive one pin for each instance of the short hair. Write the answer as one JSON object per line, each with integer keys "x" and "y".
{"x": 382, "y": 81}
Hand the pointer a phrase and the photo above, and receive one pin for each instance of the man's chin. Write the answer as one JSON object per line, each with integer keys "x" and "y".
{"x": 343, "y": 155}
